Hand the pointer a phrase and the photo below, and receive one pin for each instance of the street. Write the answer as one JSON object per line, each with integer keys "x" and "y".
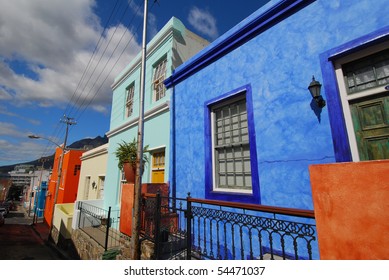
{"x": 22, "y": 240}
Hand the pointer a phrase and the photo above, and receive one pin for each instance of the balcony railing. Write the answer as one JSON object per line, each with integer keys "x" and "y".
{"x": 205, "y": 229}
{"x": 100, "y": 224}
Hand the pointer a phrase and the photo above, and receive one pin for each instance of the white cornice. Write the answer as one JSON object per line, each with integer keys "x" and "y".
{"x": 98, "y": 151}
{"x": 163, "y": 107}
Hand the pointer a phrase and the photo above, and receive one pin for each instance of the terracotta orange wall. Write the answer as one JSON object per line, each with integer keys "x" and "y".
{"x": 127, "y": 203}
{"x": 48, "y": 213}
{"x": 67, "y": 192}
{"x": 351, "y": 207}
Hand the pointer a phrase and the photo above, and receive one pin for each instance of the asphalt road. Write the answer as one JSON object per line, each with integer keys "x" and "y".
{"x": 20, "y": 240}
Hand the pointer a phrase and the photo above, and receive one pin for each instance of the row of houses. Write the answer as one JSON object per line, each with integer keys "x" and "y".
{"x": 234, "y": 123}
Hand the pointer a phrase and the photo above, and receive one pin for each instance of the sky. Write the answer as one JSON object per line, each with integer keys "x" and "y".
{"x": 59, "y": 58}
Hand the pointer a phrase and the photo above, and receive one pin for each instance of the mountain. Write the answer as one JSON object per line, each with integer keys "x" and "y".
{"x": 87, "y": 143}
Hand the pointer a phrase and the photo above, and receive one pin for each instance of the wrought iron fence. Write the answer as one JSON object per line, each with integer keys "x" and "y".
{"x": 100, "y": 224}
{"x": 164, "y": 222}
{"x": 205, "y": 229}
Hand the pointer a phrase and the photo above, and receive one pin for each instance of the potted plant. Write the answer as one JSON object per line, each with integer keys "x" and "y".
{"x": 126, "y": 153}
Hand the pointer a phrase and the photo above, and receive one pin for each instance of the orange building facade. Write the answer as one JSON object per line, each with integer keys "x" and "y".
{"x": 67, "y": 190}
{"x": 351, "y": 208}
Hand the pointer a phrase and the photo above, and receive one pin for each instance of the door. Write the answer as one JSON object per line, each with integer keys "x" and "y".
{"x": 158, "y": 167}
{"x": 86, "y": 188}
{"x": 101, "y": 187}
{"x": 370, "y": 118}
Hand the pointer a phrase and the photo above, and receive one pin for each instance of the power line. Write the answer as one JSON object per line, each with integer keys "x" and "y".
{"x": 101, "y": 56}
{"x": 69, "y": 109}
{"x": 101, "y": 85}
{"x": 93, "y": 54}
{"x": 58, "y": 128}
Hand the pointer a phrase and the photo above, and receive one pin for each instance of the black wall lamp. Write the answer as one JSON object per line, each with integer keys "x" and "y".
{"x": 314, "y": 89}
{"x": 94, "y": 185}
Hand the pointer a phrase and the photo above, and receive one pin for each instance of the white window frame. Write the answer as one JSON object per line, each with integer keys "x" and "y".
{"x": 216, "y": 187}
{"x": 347, "y": 98}
{"x": 122, "y": 180}
{"x": 159, "y": 89}
{"x": 130, "y": 92}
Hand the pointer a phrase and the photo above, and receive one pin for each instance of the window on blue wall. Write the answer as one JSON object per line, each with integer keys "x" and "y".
{"x": 231, "y": 148}
{"x": 231, "y": 161}
{"x": 362, "y": 78}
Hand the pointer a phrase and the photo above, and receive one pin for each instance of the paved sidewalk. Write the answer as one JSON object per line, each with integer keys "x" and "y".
{"x": 20, "y": 238}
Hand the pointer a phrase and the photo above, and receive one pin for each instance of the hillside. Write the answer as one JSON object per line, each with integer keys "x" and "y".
{"x": 48, "y": 161}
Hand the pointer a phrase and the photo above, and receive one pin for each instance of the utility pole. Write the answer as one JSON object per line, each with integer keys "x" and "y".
{"x": 135, "y": 236}
{"x": 68, "y": 121}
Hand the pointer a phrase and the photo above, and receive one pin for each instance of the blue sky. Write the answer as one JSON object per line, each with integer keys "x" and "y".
{"x": 60, "y": 57}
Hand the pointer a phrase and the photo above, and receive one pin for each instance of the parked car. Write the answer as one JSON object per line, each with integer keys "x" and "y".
{"x": 5, "y": 207}
{"x": 3, "y": 211}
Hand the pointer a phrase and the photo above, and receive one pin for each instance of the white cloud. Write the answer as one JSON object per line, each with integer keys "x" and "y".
{"x": 56, "y": 38}
{"x": 6, "y": 112}
{"x": 151, "y": 18}
{"x": 4, "y": 95}
{"x": 204, "y": 22}
{"x": 11, "y": 130}
{"x": 27, "y": 150}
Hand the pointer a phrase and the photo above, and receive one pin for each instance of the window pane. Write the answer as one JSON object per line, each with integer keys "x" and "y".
{"x": 368, "y": 72}
{"x": 130, "y": 100}
{"x": 159, "y": 77}
{"x": 232, "y": 149}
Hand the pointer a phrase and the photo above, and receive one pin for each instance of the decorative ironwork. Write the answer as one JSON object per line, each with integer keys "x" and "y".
{"x": 207, "y": 229}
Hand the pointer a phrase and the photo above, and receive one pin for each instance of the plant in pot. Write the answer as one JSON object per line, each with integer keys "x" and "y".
{"x": 126, "y": 153}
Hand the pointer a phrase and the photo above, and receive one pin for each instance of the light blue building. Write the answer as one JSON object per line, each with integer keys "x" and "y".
{"x": 172, "y": 45}
{"x": 245, "y": 127}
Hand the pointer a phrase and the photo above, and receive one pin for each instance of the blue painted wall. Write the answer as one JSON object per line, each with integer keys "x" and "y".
{"x": 277, "y": 64}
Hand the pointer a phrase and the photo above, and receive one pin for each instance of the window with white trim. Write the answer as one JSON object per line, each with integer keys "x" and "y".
{"x": 130, "y": 90}
{"x": 231, "y": 147}
{"x": 362, "y": 77}
{"x": 368, "y": 72}
{"x": 159, "y": 89}
{"x": 122, "y": 181}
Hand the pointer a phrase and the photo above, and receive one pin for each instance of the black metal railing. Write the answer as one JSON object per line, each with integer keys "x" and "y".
{"x": 164, "y": 222}
{"x": 205, "y": 229}
{"x": 100, "y": 224}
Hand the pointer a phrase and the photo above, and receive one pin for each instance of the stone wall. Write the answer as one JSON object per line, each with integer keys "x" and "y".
{"x": 147, "y": 249}
{"x": 87, "y": 248}
{"x": 55, "y": 234}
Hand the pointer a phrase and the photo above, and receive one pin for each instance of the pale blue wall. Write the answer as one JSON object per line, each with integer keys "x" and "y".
{"x": 156, "y": 130}
{"x": 278, "y": 64}
{"x": 157, "y": 127}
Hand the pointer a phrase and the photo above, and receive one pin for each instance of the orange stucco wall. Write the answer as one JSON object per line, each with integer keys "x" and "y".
{"x": 351, "y": 207}
{"x": 127, "y": 203}
{"x": 67, "y": 192}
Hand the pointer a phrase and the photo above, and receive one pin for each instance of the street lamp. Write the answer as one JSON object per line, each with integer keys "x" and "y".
{"x": 33, "y": 136}
{"x": 59, "y": 174}
{"x": 68, "y": 121}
